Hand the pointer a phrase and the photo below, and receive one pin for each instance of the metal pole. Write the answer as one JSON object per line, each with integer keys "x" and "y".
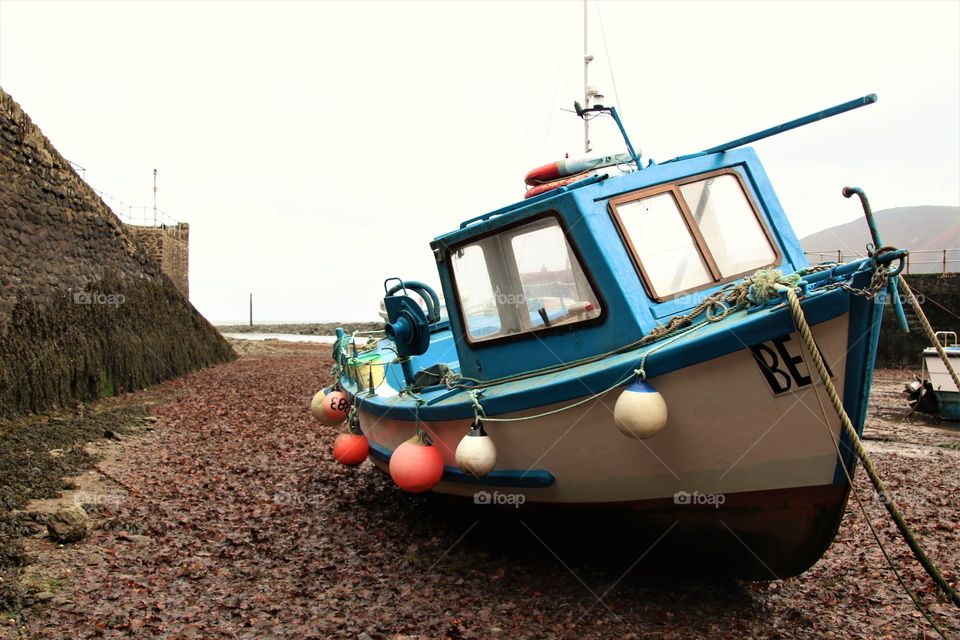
{"x": 793, "y": 124}
{"x": 154, "y": 197}
{"x": 251, "y": 309}
{"x": 586, "y": 96}
{"x": 892, "y": 289}
{"x": 626, "y": 138}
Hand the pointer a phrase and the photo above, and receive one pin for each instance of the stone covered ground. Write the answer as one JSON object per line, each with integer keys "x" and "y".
{"x": 230, "y": 519}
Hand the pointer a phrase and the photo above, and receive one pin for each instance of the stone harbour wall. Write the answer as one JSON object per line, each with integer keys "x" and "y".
{"x": 170, "y": 248}
{"x": 939, "y": 297}
{"x": 86, "y": 310}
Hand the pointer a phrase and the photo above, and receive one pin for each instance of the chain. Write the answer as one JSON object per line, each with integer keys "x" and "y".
{"x": 878, "y": 282}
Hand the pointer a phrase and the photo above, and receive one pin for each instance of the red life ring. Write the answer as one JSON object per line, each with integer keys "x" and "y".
{"x": 554, "y": 171}
{"x": 556, "y": 184}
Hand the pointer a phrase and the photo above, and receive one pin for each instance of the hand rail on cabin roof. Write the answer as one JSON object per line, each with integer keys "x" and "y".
{"x": 535, "y": 199}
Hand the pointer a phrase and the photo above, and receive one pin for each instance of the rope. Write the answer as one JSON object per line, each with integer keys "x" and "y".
{"x": 835, "y": 441}
{"x": 478, "y": 411}
{"x": 566, "y": 407}
{"x": 929, "y": 299}
{"x": 886, "y": 498}
{"x": 639, "y": 372}
{"x": 733, "y": 297}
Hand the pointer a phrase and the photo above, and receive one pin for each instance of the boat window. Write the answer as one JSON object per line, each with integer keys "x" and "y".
{"x": 693, "y": 234}
{"x": 477, "y": 302}
{"x": 728, "y": 224}
{"x": 520, "y": 280}
{"x": 660, "y": 235}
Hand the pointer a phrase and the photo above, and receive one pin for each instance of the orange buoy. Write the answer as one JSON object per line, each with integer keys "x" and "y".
{"x": 351, "y": 448}
{"x": 335, "y": 407}
{"x": 416, "y": 466}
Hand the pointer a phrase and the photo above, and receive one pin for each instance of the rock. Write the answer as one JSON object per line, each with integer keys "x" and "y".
{"x": 43, "y": 596}
{"x": 68, "y": 524}
{"x": 112, "y": 435}
{"x": 138, "y": 539}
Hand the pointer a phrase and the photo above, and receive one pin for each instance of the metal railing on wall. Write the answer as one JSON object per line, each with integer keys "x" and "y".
{"x": 942, "y": 261}
{"x": 136, "y": 215}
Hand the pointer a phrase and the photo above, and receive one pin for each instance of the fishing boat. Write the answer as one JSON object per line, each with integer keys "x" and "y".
{"x": 616, "y": 347}
{"x": 934, "y": 391}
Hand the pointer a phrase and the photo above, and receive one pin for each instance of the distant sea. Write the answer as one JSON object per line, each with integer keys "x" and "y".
{"x": 284, "y": 337}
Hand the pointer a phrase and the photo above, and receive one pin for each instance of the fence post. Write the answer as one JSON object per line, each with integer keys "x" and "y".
{"x": 944, "y": 262}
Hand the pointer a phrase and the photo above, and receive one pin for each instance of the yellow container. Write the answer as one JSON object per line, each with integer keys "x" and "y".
{"x": 366, "y": 367}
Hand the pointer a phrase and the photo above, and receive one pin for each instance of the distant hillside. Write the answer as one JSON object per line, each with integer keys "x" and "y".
{"x": 925, "y": 231}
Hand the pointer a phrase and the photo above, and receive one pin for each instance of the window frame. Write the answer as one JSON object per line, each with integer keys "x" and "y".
{"x": 700, "y": 242}
{"x": 521, "y": 335}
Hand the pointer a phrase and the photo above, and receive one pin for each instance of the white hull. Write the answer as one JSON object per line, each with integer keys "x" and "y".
{"x": 940, "y": 378}
{"x": 727, "y": 433}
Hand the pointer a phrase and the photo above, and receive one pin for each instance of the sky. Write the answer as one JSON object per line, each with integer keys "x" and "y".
{"x": 315, "y": 148}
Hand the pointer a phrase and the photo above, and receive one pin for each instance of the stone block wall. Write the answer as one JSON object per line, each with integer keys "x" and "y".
{"x": 85, "y": 309}
{"x": 939, "y": 297}
{"x": 170, "y": 248}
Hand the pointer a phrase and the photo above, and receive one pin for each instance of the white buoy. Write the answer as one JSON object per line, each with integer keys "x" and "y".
{"x": 640, "y": 412}
{"x": 476, "y": 453}
{"x": 316, "y": 405}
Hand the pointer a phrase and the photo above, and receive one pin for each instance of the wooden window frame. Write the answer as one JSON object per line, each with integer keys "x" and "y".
{"x": 693, "y": 228}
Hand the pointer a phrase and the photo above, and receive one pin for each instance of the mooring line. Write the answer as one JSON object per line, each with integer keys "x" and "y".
{"x": 801, "y": 323}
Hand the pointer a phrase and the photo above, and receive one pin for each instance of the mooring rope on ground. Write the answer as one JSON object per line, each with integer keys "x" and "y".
{"x": 804, "y": 328}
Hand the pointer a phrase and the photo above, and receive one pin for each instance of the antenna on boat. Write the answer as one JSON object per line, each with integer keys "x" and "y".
{"x": 587, "y": 59}
{"x": 592, "y": 94}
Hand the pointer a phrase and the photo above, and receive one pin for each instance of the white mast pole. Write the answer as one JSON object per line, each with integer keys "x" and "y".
{"x": 586, "y": 96}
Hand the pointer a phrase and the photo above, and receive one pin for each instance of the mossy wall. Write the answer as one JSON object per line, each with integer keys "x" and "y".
{"x": 939, "y": 297}
{"x": 85, "y": 311}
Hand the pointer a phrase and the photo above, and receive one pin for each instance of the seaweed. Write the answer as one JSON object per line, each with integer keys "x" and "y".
{"x": 60, "y": 350}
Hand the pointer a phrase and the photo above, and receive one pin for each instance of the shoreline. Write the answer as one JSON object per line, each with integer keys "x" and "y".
{"x": 301, "y": 329}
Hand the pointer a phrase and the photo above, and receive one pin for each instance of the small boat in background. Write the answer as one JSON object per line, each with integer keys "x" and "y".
{"x": 934, "y": 391}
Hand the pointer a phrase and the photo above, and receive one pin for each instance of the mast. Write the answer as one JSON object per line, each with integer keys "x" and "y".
{"x": 587, "y": 59}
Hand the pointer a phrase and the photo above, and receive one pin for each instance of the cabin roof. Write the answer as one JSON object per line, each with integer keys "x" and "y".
{"x": 600, "y": 189}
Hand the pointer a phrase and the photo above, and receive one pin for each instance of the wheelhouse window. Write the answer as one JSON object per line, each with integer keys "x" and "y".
{"x": 520, "y": 280}
{"x": 693, "y": 234}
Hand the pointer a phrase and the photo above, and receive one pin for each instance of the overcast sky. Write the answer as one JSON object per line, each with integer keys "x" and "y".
{"x": 316, "y": 147}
